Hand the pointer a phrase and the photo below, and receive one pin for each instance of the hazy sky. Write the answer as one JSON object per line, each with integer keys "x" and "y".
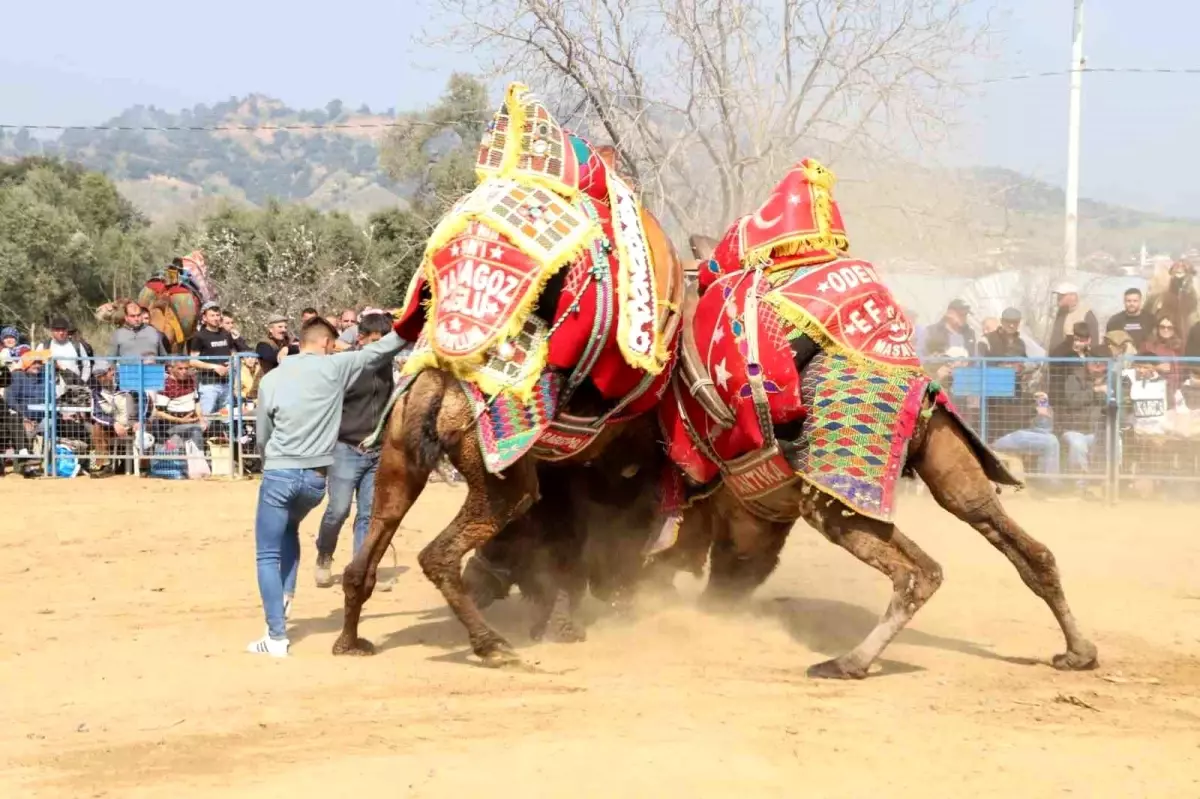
{"x": 81, "y": 62}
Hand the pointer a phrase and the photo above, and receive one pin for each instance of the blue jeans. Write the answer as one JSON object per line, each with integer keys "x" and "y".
{"x": 1042, "y": 443}
{"x": 352, "y": 471}
{"x": 213, "y": 397}
{"x": 1079, "y": 445}
{"x": 285, "y": 497}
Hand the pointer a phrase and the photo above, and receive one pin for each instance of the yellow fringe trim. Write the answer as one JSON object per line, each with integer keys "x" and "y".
{"x": 808, "y": 324}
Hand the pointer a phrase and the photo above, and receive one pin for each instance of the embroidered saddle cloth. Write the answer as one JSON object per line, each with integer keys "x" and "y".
{"x": 552, "y": 235}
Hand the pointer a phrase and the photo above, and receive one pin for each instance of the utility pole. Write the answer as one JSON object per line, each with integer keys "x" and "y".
{"x": 1071, "y": 260}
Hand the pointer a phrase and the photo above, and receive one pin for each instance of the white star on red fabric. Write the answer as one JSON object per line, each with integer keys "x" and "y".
{"x": 497, "y": 253}
{"x": 722, "y": 374}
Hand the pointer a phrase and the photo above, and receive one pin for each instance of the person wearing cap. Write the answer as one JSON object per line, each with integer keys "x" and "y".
{"x": 113, "y": 416}
{"x": 1005, "y": 341}
{"x": 1070, "y": 312}
{"x": 1007, "y": 414}
{"x": 71, "y": 360}
{"x": 298, "y": 416}
{"x": 211, "y": 350}
{"x": 952, "y": 330}
{"x": 1135, "y": 321}
{"x": 279, "y": 343}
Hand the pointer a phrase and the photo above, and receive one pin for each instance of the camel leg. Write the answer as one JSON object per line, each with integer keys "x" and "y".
{"x": 399, "y": 481}
{"x": 492, "y": 502}
{"x": 915, "y": 577}
{"x": 958, "y": 483}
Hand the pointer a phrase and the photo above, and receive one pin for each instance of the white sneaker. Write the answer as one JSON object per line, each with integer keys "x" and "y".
{"x": 275, "y": 647}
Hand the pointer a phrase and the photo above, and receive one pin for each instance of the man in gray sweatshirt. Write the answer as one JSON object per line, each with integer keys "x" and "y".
{"x": 299, "y": 411}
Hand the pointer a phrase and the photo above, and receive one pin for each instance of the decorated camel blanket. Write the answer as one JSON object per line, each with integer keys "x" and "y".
{"x": 549, "y": 212}
{"x": 849, "y": 411}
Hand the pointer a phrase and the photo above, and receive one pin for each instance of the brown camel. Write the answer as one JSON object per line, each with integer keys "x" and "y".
{"x": 588, "y": 531}
{"x": 745, "y": 545}
{"x": 434, "y": 419}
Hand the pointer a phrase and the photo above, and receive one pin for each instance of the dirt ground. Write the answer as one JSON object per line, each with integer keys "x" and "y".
{"x": 126, "y": 606}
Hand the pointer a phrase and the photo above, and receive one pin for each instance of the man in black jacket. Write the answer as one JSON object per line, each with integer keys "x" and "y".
{"x": 353, "y": 469}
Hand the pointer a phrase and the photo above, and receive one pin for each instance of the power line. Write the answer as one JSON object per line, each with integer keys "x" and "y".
{"x": 408, "y": 123}
{"x": 1106, "y": 70}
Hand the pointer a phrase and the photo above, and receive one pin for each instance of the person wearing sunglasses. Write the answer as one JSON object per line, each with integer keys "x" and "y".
{"x": 1165, "y": 343}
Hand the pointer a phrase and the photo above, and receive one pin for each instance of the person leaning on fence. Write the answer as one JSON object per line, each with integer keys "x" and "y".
{"x": 212, "y": 348}
{"x": 353, "y": 469}
{"x": 177, "y": 407}
{"x": 1166, "y": 345}
{"x": 298, "y": 415}
{"x": 114, "y": 413}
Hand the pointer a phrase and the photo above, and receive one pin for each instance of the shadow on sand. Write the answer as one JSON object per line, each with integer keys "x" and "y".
{"x": 832, "y": 627}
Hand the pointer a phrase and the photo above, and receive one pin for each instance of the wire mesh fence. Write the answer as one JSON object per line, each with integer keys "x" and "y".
{"x": 1113, "y": 428}
{"x": 160, "y": 417}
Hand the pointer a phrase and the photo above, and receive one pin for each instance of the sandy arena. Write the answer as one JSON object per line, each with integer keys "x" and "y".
{"x": 126, "y": 606}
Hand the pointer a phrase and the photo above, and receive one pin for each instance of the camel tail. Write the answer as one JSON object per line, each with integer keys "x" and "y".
{"x": 429, "y": 446}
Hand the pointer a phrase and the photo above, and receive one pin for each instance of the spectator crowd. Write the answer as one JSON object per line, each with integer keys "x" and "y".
{"x": 184, "y": 422}
{"x": 1059, "y": 414}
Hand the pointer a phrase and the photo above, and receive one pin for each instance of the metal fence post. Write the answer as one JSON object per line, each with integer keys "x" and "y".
{"x": 235, "y": 407}
{"x": 49, "y": 417}
{"x": 1118, "y": 450}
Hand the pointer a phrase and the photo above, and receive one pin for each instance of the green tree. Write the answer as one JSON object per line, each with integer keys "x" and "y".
{"x": 434, "y": 153}
{"x": 68, "y": 242}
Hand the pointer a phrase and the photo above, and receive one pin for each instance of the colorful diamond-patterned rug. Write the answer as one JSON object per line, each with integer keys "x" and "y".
{"x": 508, "y": 426}
{"x": 855, "y": 437}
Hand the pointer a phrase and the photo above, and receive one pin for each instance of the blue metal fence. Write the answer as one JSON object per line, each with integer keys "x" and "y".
{"x": 1108, "y": 426}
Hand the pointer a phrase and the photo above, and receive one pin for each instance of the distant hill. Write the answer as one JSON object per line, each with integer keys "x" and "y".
{"x": 164, "y": 172}
{"x": 971, "y": 220}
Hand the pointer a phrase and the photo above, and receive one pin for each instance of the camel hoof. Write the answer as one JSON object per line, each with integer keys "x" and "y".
{"x": 834, "y": 670}
{"x": 360, "y": 647}
{"x": 1084, "y": 660}
{"x": 499, "y": 655}
{"x": 566, "y": 632}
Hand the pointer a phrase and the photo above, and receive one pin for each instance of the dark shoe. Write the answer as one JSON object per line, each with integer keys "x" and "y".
{"x": 102, "y": 472}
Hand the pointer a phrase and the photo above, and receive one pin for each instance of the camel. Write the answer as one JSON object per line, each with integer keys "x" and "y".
{"x": 742, "y": 536}
{"x": 961, "y": 476}
{"x": 173, "y": 300}
{"x": 458, "y": 305}
{"x": 587, "y": 532}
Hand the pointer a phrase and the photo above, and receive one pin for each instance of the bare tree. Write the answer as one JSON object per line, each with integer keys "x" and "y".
{"x": 707, "y": 101}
